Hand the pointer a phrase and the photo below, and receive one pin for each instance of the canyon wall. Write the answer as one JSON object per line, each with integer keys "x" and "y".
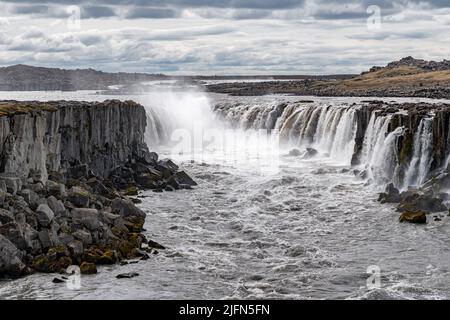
{"x": 36, "y": 138}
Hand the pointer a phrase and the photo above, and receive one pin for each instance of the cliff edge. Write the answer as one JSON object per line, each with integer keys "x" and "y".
{"x": 67, "y": 170}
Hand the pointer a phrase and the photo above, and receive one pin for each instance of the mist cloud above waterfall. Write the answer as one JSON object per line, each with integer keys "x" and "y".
{"x": 222, "y": 37}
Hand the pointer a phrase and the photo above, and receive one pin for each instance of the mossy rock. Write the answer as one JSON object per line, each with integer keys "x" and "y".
{"x": 58, "y": 252}
{"x": 125, "y": 249}
{"x": 136, "y": 239}
{"x": 92, "y": 255}
{"x": 131, "y": 191}
{"x": 88, "y": 268}
{"x": 72, "y": 183}
{"x": 135, "y": 224}
{"x": 419, "y": 217}
{"x": 41, "y": 263}
{"x": 109, "y": 257}
{"x": 120, "y": 232}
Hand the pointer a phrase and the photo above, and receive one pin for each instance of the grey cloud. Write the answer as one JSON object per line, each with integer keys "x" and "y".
{"x": 30, "y": 9}
{"x": 150, "y": 13}
{"x": 97, "y": 12}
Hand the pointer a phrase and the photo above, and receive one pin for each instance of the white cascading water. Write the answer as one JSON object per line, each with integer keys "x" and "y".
{"x": 330, "y": 129}
{"x": 420, "y": 164}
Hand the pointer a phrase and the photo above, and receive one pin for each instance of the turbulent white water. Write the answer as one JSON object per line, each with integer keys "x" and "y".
{"x": 262, "y": 224}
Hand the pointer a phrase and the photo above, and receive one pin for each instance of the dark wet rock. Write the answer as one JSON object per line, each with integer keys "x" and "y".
{"x": 419, "y": 217}
{"x": 155, "y": 245}
{"x": 420, "y": 202}
{"x": 391, "y": 195}
{"x": 310, "y": 153}
{"x": 58, "y": 280}
{"x": 181, "y": 180}
{"x": 127, "y": 275}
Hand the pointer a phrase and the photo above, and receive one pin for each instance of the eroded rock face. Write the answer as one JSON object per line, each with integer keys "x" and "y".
{"x": 101, "y": 136}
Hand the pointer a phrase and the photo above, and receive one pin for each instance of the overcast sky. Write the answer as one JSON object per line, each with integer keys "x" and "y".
{"x": 222, "y": 36}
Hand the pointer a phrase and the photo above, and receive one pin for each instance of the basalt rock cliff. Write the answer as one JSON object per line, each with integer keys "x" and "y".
{"x": 67, "y": 170}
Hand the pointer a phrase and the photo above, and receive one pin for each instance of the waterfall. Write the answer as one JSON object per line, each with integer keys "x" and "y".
{"x": 421, "y": 161}
{"x": 338, "y": 132}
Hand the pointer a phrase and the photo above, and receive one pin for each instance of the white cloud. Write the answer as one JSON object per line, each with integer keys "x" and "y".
{"x": 288, "y": 37}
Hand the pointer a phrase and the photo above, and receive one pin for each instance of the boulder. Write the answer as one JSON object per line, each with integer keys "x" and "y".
{"x": 309, "y": 153}
{"x": 79, "y": 197}
{"x": 11, "y": 264}
{"x": 48, "y": 239}
{"x": 127, "y": 275}
{"x": 89, "y": 218}
{"x": 419, "y": 217}
{"x": 57, "y": 206}
{"x": 168, "y": 164}
{"x": 6, "y": 216}
{"x": 29, "y": 196}
{"x": 390, "y": 195}
{"x": 126, "y": 208}
{"x": 83, "y": 236}
{"x": 44, "y": 215}
{"x": 75, "y": 248}
{"x": 88, "y": 268}
{"x": 55, "y": 188}
{"x": 295, "y": 153}
{"x": 181, "y": 180}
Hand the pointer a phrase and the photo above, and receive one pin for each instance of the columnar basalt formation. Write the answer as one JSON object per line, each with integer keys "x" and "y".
{"x": 66, "y": 169}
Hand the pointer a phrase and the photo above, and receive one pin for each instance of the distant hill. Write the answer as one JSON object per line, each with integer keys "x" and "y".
{"x": 415, "y": 64}
{"x": 29, "y": 78}
{"x": 407, "y": 77}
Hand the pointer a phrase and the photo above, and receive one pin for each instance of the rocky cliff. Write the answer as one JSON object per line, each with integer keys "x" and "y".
{"x": 66, "y": 171}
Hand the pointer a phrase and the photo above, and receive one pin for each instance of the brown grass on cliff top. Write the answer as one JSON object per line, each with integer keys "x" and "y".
{"x": 11, "y": 108}
{"x": 402, "y": 77}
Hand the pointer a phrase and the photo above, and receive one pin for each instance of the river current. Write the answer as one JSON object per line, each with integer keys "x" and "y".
{"x": 306, "y": 229}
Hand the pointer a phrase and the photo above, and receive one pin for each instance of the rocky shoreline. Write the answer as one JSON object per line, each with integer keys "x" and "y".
{"x": 67, "y": 171}
{"x": 325, "y": 89}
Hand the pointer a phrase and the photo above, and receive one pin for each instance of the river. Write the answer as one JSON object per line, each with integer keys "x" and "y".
{"x": 260, "y": 224}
